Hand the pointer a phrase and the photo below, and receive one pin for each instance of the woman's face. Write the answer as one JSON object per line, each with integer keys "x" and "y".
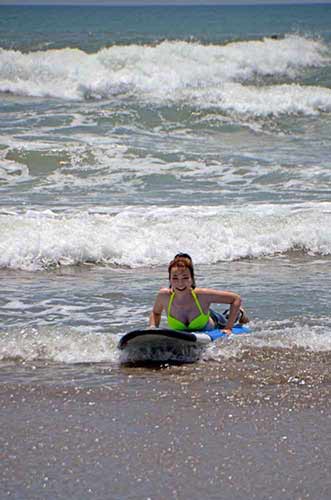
{"x": 180, "y": 278}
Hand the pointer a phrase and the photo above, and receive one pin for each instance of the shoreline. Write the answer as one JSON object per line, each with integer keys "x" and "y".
{"x": 160, "y": 434}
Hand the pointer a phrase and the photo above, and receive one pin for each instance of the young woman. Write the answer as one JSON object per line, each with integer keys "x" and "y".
{"x": 188, "y": 307}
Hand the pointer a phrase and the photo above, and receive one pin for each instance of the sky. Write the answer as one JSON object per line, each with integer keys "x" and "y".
{"x": 157, "y": 2}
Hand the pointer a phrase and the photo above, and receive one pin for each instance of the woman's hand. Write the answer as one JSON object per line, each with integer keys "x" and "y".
{"x": 227, "y": 331}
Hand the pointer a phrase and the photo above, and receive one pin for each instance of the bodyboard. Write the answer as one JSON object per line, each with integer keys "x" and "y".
{"x": 164, "y": 344}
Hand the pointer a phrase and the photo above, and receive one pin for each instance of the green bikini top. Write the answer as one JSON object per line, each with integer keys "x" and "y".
{"x": 197, "y": 323}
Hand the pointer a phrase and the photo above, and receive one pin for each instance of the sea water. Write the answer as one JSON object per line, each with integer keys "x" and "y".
{"x": 130, "y": 134}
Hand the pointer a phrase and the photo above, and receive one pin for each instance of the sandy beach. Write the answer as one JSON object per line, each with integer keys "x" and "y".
{"x": 177, "y": 432}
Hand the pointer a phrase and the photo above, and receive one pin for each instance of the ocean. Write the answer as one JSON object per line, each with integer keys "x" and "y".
{"x": 127, "y": 135}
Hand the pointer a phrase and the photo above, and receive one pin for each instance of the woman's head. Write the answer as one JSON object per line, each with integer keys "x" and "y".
{"x": 181, "y": 265}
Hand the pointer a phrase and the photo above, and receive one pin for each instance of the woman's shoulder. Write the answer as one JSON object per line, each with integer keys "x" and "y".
{"x": 163, "y": 296}
{"x": 204, "y": 291}
{"x": 212, "y": 294}
{"x": 208, "y": 294}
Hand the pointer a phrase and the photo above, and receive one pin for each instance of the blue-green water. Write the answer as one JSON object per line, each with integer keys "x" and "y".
{"x": 127, "y": 135}
{"x": 92, "y": 28}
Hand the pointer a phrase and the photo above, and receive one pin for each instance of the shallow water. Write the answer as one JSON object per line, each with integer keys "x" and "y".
{"x": 251, "y": 416}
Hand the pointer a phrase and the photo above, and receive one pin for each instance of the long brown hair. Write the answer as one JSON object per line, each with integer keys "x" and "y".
{"x": 183, "y": 261}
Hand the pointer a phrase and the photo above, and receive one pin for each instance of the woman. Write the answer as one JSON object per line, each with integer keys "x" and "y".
{"x": 188, "y": 307}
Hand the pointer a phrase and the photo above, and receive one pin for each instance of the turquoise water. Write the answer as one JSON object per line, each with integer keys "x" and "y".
{"x": 129, "y": 134}
{"x": 91, "y": 28}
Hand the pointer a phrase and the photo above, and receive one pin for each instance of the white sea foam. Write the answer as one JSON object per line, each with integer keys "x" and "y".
{"x": 264, "y": 101}
{"x": 57, "y": 345}
{"x": 310, "y": 334}
{"x": 11, "y": 171}
{"x": 307, "y": 333}
{"x": 81, "y": 345}
{"x": 177, "y": 72}
{"x": 149, "y": 236}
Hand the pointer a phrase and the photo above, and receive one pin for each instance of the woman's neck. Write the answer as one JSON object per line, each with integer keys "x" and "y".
{"x": 183, "y": 295}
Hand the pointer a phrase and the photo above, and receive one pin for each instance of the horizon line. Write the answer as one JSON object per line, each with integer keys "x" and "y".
{"x": 160, "y": 3}
{"x": 249, "y": 3}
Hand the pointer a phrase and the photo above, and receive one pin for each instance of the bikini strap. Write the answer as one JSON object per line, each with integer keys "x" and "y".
{"x": 172, "y": 296}
{"x": 195, "y": 298}
{"x": 197, "y": 303}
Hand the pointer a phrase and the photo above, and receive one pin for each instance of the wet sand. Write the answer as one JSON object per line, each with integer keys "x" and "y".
{"x": 202, "y": 431}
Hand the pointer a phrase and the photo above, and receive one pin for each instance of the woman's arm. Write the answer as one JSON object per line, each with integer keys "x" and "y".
{"x": 155, "y": 316}
{"x": 222, "y": 297}
{"x": 234, "y": 310}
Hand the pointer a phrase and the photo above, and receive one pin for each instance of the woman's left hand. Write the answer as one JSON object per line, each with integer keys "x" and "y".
{"x": 227, "y": 331}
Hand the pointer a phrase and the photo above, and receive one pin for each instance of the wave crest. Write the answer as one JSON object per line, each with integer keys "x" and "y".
{"x": 150, "y": 236}
{"x": 175, "y": 72}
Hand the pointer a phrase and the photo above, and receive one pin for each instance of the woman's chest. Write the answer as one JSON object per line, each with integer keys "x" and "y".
{"x": 185, "y": 312}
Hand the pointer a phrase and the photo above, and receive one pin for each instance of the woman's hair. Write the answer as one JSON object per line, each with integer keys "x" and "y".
{"x": 186, "y": 255}
{"x": 184, "y": 261}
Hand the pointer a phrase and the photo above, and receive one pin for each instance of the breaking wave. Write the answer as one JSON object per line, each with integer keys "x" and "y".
{"x": 150, "y": 236}
{"x": 241, "y": 77}
{"x": 74, "y": 345}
